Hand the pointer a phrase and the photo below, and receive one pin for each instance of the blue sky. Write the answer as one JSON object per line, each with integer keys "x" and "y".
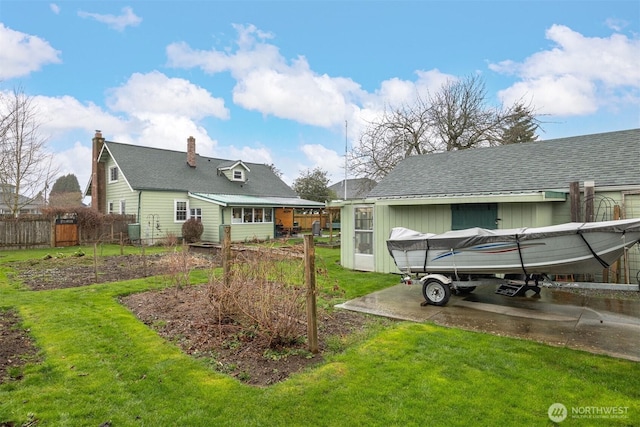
{"x": 276, "y": 81}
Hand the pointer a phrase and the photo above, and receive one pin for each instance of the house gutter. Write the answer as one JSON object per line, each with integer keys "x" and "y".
{"x": 538, "y": 196}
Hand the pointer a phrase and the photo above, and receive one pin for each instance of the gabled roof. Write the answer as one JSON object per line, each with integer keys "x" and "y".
{"x": 610, "y": 159}
{"x": 146, "y": 168}
{"x": 230, "y": 164}
{"x": 357, "y": 188}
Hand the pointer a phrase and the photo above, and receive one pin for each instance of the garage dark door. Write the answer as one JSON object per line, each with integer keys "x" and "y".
{"x": 483, "y": 215}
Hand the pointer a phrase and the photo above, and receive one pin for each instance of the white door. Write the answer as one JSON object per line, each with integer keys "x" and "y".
{"x": 363, "y": 238}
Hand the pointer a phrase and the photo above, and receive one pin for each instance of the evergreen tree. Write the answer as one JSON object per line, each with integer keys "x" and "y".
{"x": 313, "y": 185}
{"x": 520, "y": 126}
{"x": 66, "y": 184}
{"x": 66, "y": 192}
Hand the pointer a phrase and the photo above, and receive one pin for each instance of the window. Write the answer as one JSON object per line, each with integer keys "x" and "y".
{"x": 110, "y": 206}
{"x": 180, "y": 210}
{"x": 122, "y": 207}
{"x": 237, "y": 216}
{"x": 238, "y": 175}
{"x": 257, "y": 214}
{"x": 196, "y": 213}
{"x": 113, "y": 174}
{"x": 251, "y": 215}
{"x": 364, "y": 230}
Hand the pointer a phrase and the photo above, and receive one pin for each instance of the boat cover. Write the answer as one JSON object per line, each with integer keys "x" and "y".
{"x": 405, "y": 239}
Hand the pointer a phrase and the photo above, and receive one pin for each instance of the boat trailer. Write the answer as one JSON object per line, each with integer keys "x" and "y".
{"x": 437, "y": 288}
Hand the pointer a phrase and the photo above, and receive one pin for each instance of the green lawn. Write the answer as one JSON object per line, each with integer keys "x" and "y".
{"x": 99, "y": 363}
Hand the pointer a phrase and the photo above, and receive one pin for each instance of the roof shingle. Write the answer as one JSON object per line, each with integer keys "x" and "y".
{"x": 609, "y": 159}
{"x": 147, "y": 168}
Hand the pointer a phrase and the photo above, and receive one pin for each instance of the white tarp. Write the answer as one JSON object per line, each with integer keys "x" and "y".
{"x": 406, "y": 239}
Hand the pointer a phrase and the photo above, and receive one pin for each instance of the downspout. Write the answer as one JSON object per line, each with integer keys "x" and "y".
{"x": 139, "y": 199}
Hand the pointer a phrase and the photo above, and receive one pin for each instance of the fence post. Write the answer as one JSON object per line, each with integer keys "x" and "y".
{"x": 226, "y": 255}
{"x": 310, "y": 281}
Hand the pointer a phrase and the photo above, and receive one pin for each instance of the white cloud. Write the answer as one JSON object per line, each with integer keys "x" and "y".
{"x": 54, "y": 8}
{"x": 21, "y": 54}
{"x": 118, "y": 23}
{"x": 325, "y": 159}
{"x": 76, "y": 160}
{"x": 248, "y": 154}
{"x": 166, "y": 131}
{"x": 578, "y": 75}
{"x": 616, "y": 24}
{"x": 156, "y": 93}
{"x": 289, "y": 89}
{"x": 58, "y": 115}
{"x": 268, "y": 83}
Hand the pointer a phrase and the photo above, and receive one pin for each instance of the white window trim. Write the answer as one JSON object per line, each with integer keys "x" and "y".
{"x": 243, "y": 211}
{"x": 233, "y": 174}
{"x": 196, "y": 216}
{"x": 110, "y": 207}
{"x": 175, "y": 211}
{"x": 118, "y": 173}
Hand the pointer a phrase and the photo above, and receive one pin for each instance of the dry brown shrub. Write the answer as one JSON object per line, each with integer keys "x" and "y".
{"x": 265, "y": 291}
{"x": 179, "y": 264}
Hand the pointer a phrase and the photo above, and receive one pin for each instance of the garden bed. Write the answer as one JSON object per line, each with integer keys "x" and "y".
{"x": 181, "y": 315}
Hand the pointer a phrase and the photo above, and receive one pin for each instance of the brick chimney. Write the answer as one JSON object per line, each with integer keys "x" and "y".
{"x": 191, "y": 151}
{"x": 98, "y": 177}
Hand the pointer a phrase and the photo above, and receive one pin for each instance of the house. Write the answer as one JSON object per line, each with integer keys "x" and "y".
{"x": 355, "y": 188}
{"x": 509, "y": 186}
{"x": 26, "y": 205}
{"x": 164, "y": 188}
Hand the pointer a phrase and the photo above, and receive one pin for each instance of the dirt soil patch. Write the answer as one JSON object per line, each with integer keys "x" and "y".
{"x": 16, "y": 346}
{"x": 180, "y": 315}
{"x": 69, "y": 271}
{"x": 183, "y": 316}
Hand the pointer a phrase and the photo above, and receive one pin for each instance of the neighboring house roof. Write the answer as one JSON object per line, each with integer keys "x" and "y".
{"x": 357, "y": 188}
{"x": 25, "y": 203}
{"x": 146, "y": 168}
{"x": 610, "y": 159}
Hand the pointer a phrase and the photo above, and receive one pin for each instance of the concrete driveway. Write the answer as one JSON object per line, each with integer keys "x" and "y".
{"x": 598, "y": 325}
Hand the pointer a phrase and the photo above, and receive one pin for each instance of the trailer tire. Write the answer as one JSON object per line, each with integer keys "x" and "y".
{"x": 465, "y": 290}
{"x": 436, "y": 292}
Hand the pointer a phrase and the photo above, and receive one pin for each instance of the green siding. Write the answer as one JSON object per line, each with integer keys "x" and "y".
{"x": 211, "y": 213}
{"x": 119, "y": 190}
{"x": 157, "y": 207}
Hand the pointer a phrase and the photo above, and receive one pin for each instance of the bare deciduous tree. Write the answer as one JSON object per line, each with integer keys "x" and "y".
{"x": 460, "y": 117}
{"x": 397, "y": 134}
{"x": 455, "y": 118}
{"x": 25, "y": 165}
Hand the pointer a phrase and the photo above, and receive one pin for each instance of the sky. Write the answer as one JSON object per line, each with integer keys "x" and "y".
{"x": 294, "y": 83}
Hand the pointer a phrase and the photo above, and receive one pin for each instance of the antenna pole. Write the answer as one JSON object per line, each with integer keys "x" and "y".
{"x": 345, "y": 158}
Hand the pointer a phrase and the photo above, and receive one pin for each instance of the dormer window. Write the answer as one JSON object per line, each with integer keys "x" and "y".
{"x": 234, "y": 170}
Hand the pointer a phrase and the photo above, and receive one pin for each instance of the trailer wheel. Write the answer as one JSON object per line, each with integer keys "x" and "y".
{"x": 465, "y": 290}
{"x": 436, "y": 292}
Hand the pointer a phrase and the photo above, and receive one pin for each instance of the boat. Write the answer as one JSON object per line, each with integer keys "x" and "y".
{"x": 576, "y": 247}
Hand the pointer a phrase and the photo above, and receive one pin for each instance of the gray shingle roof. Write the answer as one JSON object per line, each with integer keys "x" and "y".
{"x": 609, "y": 159}
{"x": 147, "y": 168}
{"x": 357, "y": 188}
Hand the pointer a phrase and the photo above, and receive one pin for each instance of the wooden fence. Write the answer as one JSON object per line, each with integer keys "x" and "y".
{"x": 23, "y": 233}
